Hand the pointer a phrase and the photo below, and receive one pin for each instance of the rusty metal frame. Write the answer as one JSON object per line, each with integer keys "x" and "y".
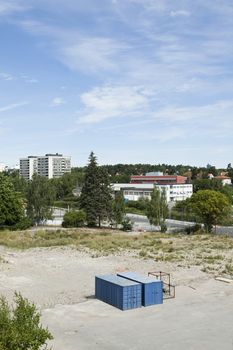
{"x": 170, "y": 291}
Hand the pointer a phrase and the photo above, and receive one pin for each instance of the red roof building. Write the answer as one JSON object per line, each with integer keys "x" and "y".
{"x": 159, "y": 180}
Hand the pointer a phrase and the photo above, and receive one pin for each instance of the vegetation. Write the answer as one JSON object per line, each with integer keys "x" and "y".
{"x": 157, "y": 209}
{"x": 211, "y": 207}
{"x": 36, "y": 197}
{"x": 212, "y": 253}
{"x": 11, "y": 203}
{"x": 118, "y": 208}
{"x": 137, "y": 207}
{"x": 74, "y": 218}
{"x": 182, "y": 211}
{"x": 40, "y": 198}
{"x": 20, "y": 327}
{"x": 96, "y": 198}
{"x": 126, "y": 224}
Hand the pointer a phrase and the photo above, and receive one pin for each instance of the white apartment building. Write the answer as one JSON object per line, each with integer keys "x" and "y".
{"x": 174, "y": 192}
{"x": 50, "y": 166}
{"x": 28, "y": 166}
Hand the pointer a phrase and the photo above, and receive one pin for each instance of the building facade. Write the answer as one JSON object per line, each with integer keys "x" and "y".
{"x": 50, "y": 166}
{"x": 174, "y": 192}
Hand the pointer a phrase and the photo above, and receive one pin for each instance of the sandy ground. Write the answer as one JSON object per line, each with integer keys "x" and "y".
{"x": 61, "y": 282}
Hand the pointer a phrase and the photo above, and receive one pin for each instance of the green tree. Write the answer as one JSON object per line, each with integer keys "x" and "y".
{"x": 64, "y": 185}
{"x": 210, "y": 207}
{"x": 228, "y": 191}
{"x": 19, "y": 183}
{"x": 11, "y": 203}
{"x": 207, "y": 184}
{"x": 20, "y": 327}
{"x": 118, "y": 208}
{"x": 96, "y": 197}
{"x": 74, "y": 218}
{"x": 157, "y": 209}
{"x": 104, "y": 207}
{"x": 40, "y": 198}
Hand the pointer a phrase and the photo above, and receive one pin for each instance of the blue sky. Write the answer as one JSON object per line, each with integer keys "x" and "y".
{"x": 136, "y": 81}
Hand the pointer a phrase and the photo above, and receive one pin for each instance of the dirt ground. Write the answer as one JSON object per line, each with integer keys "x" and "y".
{"x": 61, "y": 283}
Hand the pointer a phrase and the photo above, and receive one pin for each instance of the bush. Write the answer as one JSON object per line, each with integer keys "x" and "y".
{"x": 141, "y": 204}
{"x": 127, "y": 225}
{"x": 20, "y": 327}
{"x": 74, "y": 218}
{"x": 192, "y": 229}
{"x": 163, "y": 227}
{"x": 23, "y": 224}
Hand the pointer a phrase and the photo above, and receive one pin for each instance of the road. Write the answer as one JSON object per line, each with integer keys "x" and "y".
{"x": 141, "y": 223}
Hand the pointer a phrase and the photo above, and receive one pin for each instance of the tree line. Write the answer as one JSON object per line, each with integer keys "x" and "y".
{"x": 24, "y": 203}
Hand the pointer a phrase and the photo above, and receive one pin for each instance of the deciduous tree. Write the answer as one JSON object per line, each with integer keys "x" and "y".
{"x": 157, "y": 209}
{"x": 210, "y": 207}
{"x": 11, "y": 203}
{"x": 40, "y": 198}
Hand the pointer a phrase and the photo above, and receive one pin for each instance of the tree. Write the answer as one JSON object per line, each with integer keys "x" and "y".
{"x": 11, "y": 203}
{"x": 74, "y": 218}
{"x": 207, "y": 184}
{"x": 20, "y": 327}
{"x": 210, "y": 207}
{"x": 118, "y": 208}
{"x": 40, "y": 198}
{"x": 96, "y": 197}
{"x": 64, "y": 185}
{"x": 104, "y": 207}
{"x": 157, "y": 209}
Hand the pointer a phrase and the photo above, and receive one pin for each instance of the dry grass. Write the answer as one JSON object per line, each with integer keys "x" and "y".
{"x": 214, "y": 254}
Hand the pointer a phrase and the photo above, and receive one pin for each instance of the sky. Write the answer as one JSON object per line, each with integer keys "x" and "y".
{"x": 135, "y": 81}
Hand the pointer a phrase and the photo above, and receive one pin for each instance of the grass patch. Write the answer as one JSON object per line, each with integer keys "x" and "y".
{"x": 207, "y": 251}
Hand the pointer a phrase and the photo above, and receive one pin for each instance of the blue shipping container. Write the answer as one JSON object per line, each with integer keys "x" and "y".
{"x": 152, "y": 290}
{"x": 118, "y": 291}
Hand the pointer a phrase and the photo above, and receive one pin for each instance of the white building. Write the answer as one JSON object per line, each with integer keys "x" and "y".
{"x": 28, "y": 167}
{"x": 174, "y": 192}
{"x": 50, "y": 166}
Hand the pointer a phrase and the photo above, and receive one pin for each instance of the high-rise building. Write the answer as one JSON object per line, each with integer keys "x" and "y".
{"x": 50, "y": 166}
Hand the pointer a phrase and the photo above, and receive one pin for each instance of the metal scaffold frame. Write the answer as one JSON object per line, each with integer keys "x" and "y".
{"x": 169, "y": 290}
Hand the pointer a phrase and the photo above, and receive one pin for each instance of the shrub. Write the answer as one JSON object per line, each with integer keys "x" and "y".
{"x": 23, "y": 224}
{"x": 163, "y": 227}
{"x": 20, "y": 327}
{"x": 127, "y": 225}
{"x": 192, "y": 229}
{"x": 74, "y": 219}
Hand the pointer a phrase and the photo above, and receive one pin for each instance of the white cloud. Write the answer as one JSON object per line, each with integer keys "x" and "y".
{"x": 6, "y": 76}
{"x": 178, "y": 13}
{"x": 13, "y": 106}
{"x": 220, "y": 111}
{"x": 31, "y": 80}
{"x": 112, "y": 102}
{"x": 57, "y": 101}
{"x": 92, "y": 54}
{"x": 164, "y": 134}
{"x": 8, "y": 7}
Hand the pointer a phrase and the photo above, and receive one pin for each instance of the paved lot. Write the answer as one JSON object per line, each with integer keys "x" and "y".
{"x": 61, "y": 282}
{"x": 196, "y": 320}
